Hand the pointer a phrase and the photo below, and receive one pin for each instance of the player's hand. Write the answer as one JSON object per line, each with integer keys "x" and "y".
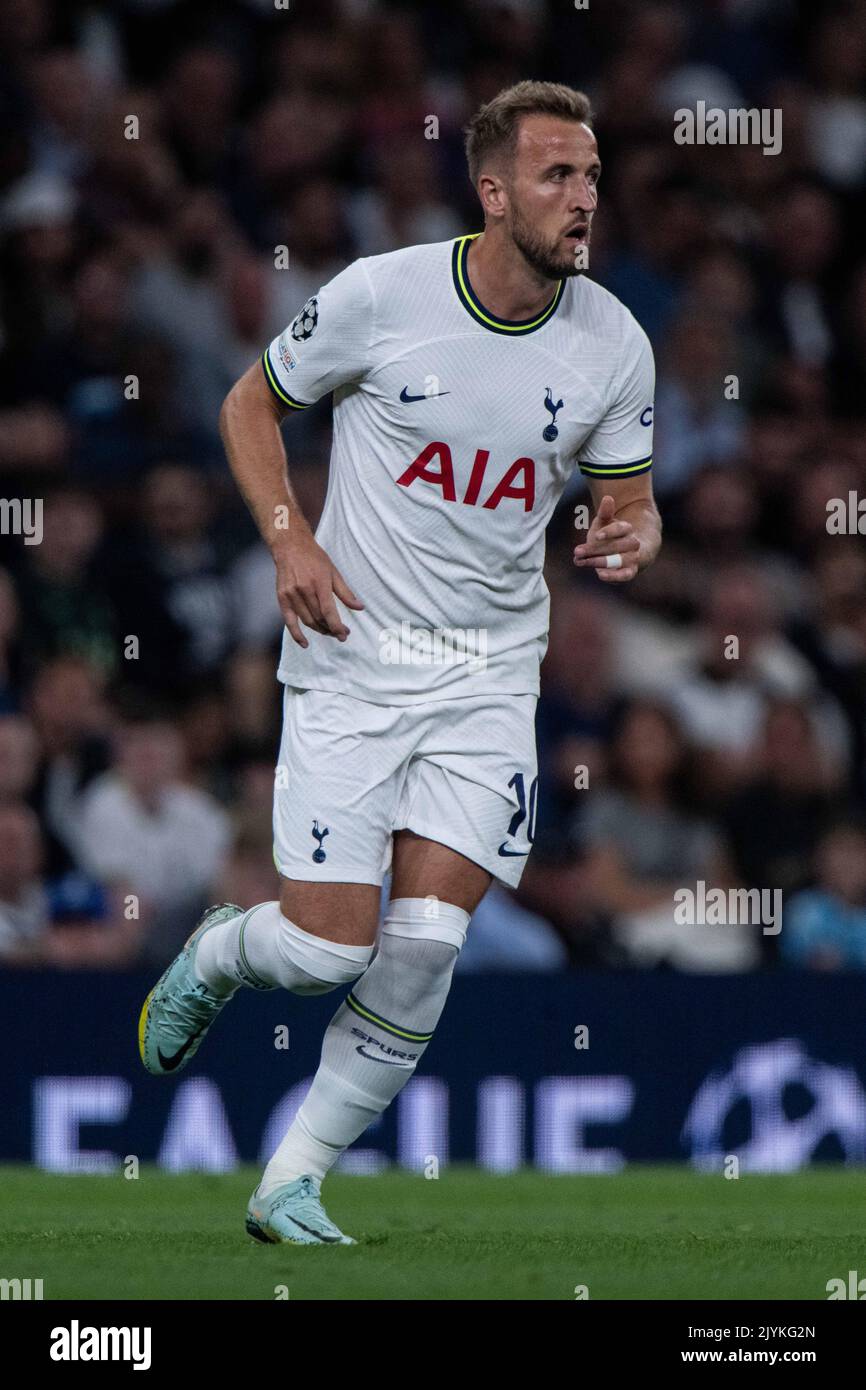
{"x": 306, "y": 584}
{"x": 609, "y": 537}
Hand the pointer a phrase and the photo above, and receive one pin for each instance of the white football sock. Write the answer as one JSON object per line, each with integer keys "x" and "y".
{"x": 264, "y": 950}
{"x": 375, "y": 1039}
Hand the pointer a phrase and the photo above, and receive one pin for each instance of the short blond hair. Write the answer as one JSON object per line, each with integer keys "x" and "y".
{"x": 495, "y": 125}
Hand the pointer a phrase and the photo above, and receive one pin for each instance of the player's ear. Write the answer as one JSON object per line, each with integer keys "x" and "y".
{"x": 492, "y": 193}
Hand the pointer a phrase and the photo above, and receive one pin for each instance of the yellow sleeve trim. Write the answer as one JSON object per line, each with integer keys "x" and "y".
{"x": 603, "y": 470}
{"x": 277, "y": 389}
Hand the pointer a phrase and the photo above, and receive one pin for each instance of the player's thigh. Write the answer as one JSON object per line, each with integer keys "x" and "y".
{"x": 341, "y": 767}
{"x": 472, "y": 786}
{"x": 344, "y": 912}
{"x": 422, "y": 868}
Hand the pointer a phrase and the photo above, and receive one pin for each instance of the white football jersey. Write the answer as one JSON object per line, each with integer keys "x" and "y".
{"x": 455, "y": 433}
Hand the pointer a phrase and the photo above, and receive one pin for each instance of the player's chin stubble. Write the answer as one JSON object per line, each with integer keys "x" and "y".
{"x": 545, "y": 257}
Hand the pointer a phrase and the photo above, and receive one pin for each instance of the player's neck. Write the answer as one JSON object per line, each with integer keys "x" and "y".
{"x": 502, "y": 280}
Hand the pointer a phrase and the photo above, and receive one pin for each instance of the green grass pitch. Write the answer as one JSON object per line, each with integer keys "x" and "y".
{"x": 646, "y": 1233}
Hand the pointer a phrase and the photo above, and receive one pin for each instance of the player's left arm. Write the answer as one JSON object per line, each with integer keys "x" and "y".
{"x": 626, "y": 524}
{"x": 616, "y": 460}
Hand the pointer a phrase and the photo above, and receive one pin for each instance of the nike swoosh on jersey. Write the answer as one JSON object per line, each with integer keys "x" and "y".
{"x": 511, "y": 853}
{"x": 406, "y": 399}
{"x": 169, "y": 1063}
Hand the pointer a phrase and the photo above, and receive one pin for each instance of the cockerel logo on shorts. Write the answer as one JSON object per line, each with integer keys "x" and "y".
{"x": 319, "y": 855}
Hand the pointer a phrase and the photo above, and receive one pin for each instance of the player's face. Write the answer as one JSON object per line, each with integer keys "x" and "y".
{"x": 553, "y": 193}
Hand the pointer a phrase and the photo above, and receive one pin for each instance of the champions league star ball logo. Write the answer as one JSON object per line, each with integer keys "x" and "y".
{"x": 775, "y": 1107}
{"x": 304, "y": 323}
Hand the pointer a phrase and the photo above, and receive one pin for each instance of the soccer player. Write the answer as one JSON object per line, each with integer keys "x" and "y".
{"x": 469, "y": 379}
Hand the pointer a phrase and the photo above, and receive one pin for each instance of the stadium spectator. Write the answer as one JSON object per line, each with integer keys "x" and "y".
{"x": 142, "y": 831}
{"x": 67, "y": 707}
{"x": 576, "y": 708}
{"x": 24, "y": 907}
{"x": 68, "y": 923}
{"x": 640, "y": 843}
{"x": 189, "y": 573}
{"x": 741, "y": 659}
{"x": 697, "y": 423}
{"x": 773, "y": 822}
{"x": 19, "y": 753}
{"x": 824, "y": 927}
{"x": 9, "y": 645}
{"x": 178, "y": 294}
{"x": 64, "y": 609}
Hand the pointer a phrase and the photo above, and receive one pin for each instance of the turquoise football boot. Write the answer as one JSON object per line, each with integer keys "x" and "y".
{"x": 293, "y": 1214}
{"x": 180, "y": 1008}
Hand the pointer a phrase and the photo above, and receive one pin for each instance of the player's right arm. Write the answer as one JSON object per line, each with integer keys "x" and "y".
{"x": 328, "y": 344}
{"x": 306, "y": 578}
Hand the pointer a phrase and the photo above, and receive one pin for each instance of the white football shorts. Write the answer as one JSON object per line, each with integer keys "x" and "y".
{"x": 350, "y": 772}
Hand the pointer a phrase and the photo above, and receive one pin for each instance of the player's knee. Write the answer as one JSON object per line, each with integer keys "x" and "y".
{"x": 410, "y": 977}
{"x": 323, "y": 965}
{"x": 427, "y": 920}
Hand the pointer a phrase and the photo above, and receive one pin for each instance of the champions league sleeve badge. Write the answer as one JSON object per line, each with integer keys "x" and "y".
{"x": 304, "y": 323}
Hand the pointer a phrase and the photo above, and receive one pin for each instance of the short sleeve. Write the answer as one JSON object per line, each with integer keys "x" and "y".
{"x": 327, "y": 343}
{"x": 621, "y": 443}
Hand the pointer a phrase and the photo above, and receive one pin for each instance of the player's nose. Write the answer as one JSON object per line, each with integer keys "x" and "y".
{"x": 585, "y": 196}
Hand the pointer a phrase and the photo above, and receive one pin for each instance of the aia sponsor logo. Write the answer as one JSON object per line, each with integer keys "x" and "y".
{"x": 435, "y": 465}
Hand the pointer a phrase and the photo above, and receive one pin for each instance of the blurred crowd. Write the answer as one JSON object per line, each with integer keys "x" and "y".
{"x": 175, "y": 180}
